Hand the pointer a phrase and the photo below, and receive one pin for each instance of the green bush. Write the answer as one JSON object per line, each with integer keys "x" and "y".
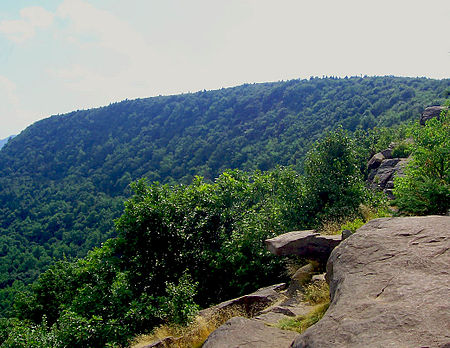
{"x": 178, "y": 307}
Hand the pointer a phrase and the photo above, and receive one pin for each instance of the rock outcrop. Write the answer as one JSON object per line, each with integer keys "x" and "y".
{"x": 389, "y": 286}
{"x": 307, "y": 244}
{"x": 383, "y": 169}
{"x": 431, "y": 112}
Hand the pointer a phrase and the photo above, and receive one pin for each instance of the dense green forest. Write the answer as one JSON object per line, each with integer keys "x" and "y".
{"x": 64, "y": 179}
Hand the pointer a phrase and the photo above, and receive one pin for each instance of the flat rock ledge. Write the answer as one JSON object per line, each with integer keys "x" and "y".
{"x": 308, "y": 244}
{"x": 249, "y": 333}
{"x": 389, "y": 287}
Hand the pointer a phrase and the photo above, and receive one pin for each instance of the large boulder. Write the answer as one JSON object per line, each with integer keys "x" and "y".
{"x": 389, "y": 287}
{"x": 308, "y": 244}
{"x": 248, "y": 333}
{"x": 430, "y": 112}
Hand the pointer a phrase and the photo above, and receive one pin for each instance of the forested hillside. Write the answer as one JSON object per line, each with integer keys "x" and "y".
{"x": 63, "y": 180}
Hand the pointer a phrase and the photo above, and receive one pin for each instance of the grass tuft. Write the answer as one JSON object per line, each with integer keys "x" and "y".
{"x": 365, "y": 214}
{"x": 317, "y": 293}
{"x": 302, "y": 322}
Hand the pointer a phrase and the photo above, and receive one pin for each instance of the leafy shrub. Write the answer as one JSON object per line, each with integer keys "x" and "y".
{"x": 178, "y": 307}
{"x": 23, "y": 334}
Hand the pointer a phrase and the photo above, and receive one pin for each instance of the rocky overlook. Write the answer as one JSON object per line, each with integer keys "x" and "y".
{"x": 389, "y": 287}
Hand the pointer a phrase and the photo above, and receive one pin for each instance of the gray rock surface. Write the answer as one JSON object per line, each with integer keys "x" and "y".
{"x": 375, "y": 161}
{"x": 248, "y": 333}
{"x": 308, "y": 244}
{"x": 430, "y": 112}
{"x": 382, "y": 178}
{"x": 346, "y": 234}
{"x": 390, "y": 287}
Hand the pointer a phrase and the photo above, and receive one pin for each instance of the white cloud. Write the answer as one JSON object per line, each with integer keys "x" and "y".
{"x": 100, "y": 33}
{"x": 37, "y": 16}
{"x": 11, "y": 109}
{"x": 8, "y": 89}
{"x": 24, "y": 29}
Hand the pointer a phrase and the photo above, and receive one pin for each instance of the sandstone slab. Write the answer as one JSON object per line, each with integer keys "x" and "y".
{"x": 248, "y": 333}
{"x": 308, "y": 244}
{"x": 390, "y": 287}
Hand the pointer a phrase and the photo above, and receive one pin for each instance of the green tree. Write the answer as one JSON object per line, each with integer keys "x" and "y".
{"x": 334, "y": 188}
{"x": 425, "y": 188}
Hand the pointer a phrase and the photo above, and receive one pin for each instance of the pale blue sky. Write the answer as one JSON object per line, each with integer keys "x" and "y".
{"x": 61, "y": 55}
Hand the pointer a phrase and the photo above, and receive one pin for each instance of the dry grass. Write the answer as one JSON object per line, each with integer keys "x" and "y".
{"x": 195, "y": 334}
{"x": 331, "y": 227}
{"x": 317, "y": 293}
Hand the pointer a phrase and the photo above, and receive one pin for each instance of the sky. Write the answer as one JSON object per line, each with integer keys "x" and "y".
{"x": 57, "y": 56}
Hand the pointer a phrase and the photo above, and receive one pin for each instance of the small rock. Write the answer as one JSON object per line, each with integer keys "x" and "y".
{"x": 387, "y": 153}
{"x": 346, "y": 234}
{"x": 251, "y": 303}
{"x": 281, "y": 310}
{"x": 382, "y": 178}
{"x": 318, "y": 278}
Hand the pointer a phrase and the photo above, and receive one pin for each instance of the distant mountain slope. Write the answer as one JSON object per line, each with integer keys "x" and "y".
{"x": 4, "y": 141}
{"x": 63, "y": 179}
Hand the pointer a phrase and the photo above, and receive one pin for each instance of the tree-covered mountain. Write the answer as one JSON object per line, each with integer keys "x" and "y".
{"x": 63, "y": 179}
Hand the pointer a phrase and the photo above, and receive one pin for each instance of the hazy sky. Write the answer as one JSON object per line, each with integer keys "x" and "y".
{"x": 61, "y": 55}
